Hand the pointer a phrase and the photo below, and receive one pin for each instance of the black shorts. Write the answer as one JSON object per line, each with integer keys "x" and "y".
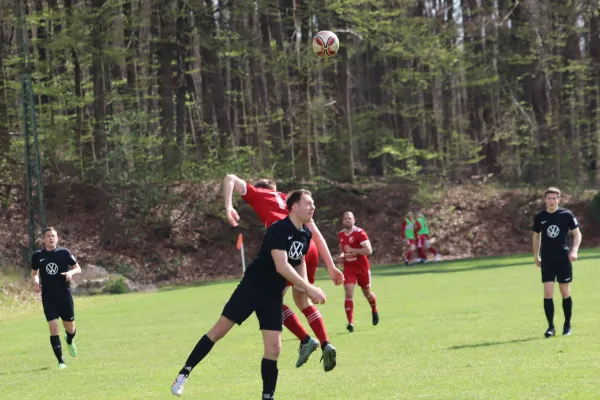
{"x": 251, "y": 297}
{"x": 557, "y": 268}
{"x": 58, "y": 305}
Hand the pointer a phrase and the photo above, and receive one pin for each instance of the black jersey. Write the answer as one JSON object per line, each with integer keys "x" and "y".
{"x": 51, "y": 265}
{"x": 282, "y": 235}
{"x": 555, "y": 228}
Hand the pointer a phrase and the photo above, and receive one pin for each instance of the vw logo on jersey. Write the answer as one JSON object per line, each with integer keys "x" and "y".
{"x": 51, "y": 269}
{"x": 295, "y": 252}
{"x": 553, "y": 231}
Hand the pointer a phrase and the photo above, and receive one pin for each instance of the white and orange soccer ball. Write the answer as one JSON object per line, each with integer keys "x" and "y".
{"x": 325, "y": 44}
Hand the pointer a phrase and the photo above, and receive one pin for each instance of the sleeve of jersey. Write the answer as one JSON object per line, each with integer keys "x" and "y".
{"x": 573, "y": 223}
{"x": 34, "y": 262}
{"x": 250, "y": 193}
{"x": 536, "y": 225}
{"x": 275, "y": 240}
{"x": 363, "y": 237}
{"x": 71, "y": 259}
{"x": 402, "y": 229}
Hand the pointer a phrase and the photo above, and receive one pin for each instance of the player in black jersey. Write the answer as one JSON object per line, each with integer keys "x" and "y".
{"x": 551, "y": 228}
{"x": 281, "y": 258}
{"x": 51, "y": 270}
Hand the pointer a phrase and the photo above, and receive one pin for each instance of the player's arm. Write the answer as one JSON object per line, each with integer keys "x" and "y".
{"x": 536, "y": 239}
{"x": 231, "y": 183}
{"x": 334, "y": 273}
{"x": 35, "y": 278}
{"x": 75, "y": 268}
{"x": 341, "y": 251}
{"x": 35, "y": 274}
{"x": 284, "y": 269}
{"x": 365, "y": 248}
{"x": 576, "y": 243}
{"x": 403, "y": 229}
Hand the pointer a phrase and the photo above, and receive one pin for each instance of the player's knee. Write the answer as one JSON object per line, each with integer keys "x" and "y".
{"x": 272, "y": 349}
{"x": 301, "y": 299}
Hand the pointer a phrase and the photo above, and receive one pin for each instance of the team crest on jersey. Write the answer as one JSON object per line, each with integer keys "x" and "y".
{"x": 351, "y": 239}
{"x": 295, "y": 252}
{"x": 553, "y": 231}
{"x": 51, "y": 269}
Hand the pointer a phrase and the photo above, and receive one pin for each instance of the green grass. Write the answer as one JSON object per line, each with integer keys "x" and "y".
{"x": 458, "y": 330}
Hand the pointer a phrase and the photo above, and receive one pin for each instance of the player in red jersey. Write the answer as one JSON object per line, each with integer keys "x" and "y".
{"x": 270, "y": 206}
{"x": 355, "y": 246}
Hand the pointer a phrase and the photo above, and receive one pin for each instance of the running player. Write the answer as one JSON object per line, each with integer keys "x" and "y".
{"x": 355, "y": 246}
{"x": 53, "y": 265}
{"x": 282, "y": 256}
{"x": 553, "y": 225}
{"x": 270, "y": 206}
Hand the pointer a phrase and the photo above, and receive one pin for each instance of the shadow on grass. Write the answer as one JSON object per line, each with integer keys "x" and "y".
{"x": 25, "y": 371}
{"x": 421, "y": 269}
{"x": 496, "y": 343}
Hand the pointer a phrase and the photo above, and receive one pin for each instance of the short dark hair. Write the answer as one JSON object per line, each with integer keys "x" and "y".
{"x": 295, "y": 196}
{"x": 265, "y": 183}
{"x": 552, "y": 190}
{"x": 48, "y": 229}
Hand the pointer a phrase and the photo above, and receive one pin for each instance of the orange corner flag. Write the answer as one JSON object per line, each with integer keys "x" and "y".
{"x": 240, "y": 242}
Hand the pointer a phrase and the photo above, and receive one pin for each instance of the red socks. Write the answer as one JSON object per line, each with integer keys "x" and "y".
{"x": 313, "y": 316}
{"x": 291, "y": 321}
{"x": 349, "y": 306}
{"x": 373, "y": 303}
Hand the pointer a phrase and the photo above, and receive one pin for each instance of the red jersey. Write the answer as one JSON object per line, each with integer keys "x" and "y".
{"x": 269, "y": 205}
{"x": 354, "y": 239}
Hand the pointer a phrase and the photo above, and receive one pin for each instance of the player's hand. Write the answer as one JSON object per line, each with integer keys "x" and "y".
{"x": 232, "y": 216}
{"x": 573, "y": 255}
{"x": 37, "y": 287}
{"x": 67, "y": 275}
{"x": 348, "y": 249}
{"x": 538, "y": 262}
{"x": 336, "y": 276}
{"x": 316, "y": 295}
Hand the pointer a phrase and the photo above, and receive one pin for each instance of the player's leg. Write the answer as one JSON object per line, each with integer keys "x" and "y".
{"x": 292, "y": 322}
{"x": 548, "y": 278}
{"x": 421, "y": 250}
{"x": 270, "y": 321}
{"x": 349, "y": 303}
{"x": 565, "y": 277}
{"x": 431, "y": 249}
{"x": 67, "y": 314}
{"x": 410, "y": 250}
{"x": 239, "y": 307}
{"x": 312, "y": 314}
{"x": 55, "y": 342}
{"x": 364, "y": 281}
{"x": 52, "y": 315}
{"x": 308, "y": 344}
{"x": 268, "y": 365}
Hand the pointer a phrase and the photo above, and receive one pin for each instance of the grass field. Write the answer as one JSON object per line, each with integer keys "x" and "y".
{"x": 456, "y": 330}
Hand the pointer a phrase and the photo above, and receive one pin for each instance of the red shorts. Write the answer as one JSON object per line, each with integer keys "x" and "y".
{"x": 357, "y": 276}
{"x": 312, "y": 262}
{"x": 423, "y": 240}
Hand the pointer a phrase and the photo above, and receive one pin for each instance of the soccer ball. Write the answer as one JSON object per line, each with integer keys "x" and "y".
{"x": 325, "y": 44}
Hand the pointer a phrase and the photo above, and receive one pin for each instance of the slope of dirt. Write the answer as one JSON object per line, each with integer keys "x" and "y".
{"x": 187, "y": 239}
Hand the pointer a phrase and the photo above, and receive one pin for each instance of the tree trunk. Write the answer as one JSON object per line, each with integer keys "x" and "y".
{"x": 166, "y": 57}
{"x": 4, "y": 130}
{"x": 98, "y": 30}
